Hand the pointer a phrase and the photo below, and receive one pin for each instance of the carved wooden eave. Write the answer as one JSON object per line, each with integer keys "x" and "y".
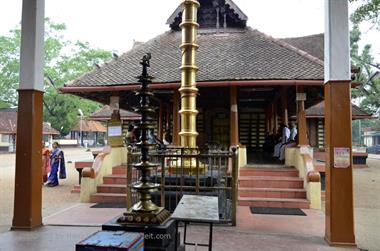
{"x": 235, "y": 14}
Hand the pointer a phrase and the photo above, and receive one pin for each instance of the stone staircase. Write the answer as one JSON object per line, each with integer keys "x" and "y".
{"x": 113, "y": 189}
{"x": 271, "y": 187}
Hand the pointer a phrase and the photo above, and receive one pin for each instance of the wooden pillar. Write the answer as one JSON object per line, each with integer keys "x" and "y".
{"x": 268, "y": 117}
{"x": 167, "y": 126}
{"x": 301, "y": 117}
{"x": 176, "y": 118}
{"x": 284, "y": 106}
{"x": 274, "y": 116}
{"x": 160, "y": 121}
{"x": 339, "y": 189}
{"x": 234, "y": 120}
{"x": 28, "y": 178}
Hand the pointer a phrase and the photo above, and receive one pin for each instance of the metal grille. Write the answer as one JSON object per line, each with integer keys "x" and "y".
{"x": 212, "y": 172}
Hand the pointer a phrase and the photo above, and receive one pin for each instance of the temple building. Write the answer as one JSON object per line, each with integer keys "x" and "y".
{"x": 8, "y": 132}
{"x": 88, "y": 133}
{"x": 249, "y": 82}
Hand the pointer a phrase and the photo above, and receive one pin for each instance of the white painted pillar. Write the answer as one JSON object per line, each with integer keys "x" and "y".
{"x": 32, "y": 45}
{"x": 337, "y": 41}
{"x": 28, "y": 178}
{"x": 338, "y": 134}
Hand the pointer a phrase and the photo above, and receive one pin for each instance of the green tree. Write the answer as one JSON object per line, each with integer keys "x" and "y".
{"x": 369, "y": 92}
{"x": 367, "y": 10}
{"x": 64, "y": 61}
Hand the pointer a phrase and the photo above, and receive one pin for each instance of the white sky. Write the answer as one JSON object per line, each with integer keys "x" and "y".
{"x": 114, "y": 24}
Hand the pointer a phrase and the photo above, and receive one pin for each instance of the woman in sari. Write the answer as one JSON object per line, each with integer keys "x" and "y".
{"x": 45, "y": 162}
{"x": 57, "y": 161}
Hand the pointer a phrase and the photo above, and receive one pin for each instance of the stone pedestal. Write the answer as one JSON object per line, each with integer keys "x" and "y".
{"x": 157, "y": 237}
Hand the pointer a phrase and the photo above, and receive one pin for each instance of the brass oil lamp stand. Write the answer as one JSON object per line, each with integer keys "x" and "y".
{"x": 145, "y": 211}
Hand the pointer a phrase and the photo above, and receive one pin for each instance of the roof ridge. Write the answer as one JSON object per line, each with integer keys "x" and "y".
{"x": 289, "y": 47}
{"x": 311, "y": 35}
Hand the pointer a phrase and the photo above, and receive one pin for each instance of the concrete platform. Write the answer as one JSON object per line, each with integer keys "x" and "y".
{"x": 82, "y": 215}
{"x": 254, "y": 232}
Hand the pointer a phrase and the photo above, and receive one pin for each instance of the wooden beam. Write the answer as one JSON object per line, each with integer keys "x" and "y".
{"x": 160, "y": 121}
{"x": 234, "y": 120}
{"x": 176, "y": 118}
{"x": 301, "y": 119}
{"x": 284, "y": 106}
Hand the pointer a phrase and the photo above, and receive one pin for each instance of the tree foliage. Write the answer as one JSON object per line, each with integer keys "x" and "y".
{"x": 369, "y": 92}
{"x": 64, "y": 61}
{"x": 368, "y": 10}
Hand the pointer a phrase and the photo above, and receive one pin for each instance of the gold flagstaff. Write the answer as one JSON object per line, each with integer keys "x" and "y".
{"x": 145, "y": 211}
{"x": 188, "y": 68}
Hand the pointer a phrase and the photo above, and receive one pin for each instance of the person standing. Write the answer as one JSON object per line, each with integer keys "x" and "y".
{"x": 284, "y": 139}
{"x": 57, "y": 161}
{"x": 45, "y": 162}
{"x": 130, "y": 137}
{"x": 293, "y": 132}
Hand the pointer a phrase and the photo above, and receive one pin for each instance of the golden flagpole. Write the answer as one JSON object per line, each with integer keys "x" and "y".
{"x": 188, "y": 89}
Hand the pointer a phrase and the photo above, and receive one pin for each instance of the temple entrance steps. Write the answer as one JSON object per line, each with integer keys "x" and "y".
{"x": 114, "y": 187}
{"x": 272, "y": 186}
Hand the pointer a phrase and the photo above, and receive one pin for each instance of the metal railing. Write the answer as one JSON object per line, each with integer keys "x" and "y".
{"x": 211, "y": 172}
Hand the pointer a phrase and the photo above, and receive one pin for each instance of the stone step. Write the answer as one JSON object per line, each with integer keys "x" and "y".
{"x": 283, "y": 172}
{"x": 111, "y": 188}
{"x": 272, "y": 193}
{"x": 108, "y": 198}
{"x": 115, "y": 179}
{"x": 121, "y": 170}
{"x": 76, "y": 189}
{"x": 323, "y": 195}
{"x": 270, "y": 182}
{"x": 274, "y": 202}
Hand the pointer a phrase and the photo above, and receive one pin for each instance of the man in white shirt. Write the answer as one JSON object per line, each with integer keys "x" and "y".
{"x": 293, "y": 131}
{"x": 284, "y": 139}
{"x": 292, "y": 141}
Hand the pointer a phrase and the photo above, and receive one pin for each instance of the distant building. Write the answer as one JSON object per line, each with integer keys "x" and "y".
{"x": 104, "y": 114}
{"x": 88, "y": 133}
{"x": 315, "y": 116}
{"x": 127, "y": 117}
{"x": 371, "y": 136}
{"x": 8, "y": 130}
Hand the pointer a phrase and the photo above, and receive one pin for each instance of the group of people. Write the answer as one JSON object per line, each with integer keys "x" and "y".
{"x": 277, "y": 143}
{"x": 133, "y": 135}
{"x": 53, "y": 165}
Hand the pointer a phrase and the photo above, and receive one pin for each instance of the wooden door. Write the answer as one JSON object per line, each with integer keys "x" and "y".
{"x": 252, "y": 129}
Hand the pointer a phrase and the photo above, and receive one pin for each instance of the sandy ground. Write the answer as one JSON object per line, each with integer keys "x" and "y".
{"x": 366, "y": 193}
{"x": 367, "y": 205}
{"x": 54, "y": 199}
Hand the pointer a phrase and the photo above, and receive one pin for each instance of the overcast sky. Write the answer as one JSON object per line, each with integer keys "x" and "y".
{"x": 114, "y": 24}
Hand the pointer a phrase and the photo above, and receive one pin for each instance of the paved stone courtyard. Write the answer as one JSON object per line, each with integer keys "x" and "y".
{"x": 254, "y": 232}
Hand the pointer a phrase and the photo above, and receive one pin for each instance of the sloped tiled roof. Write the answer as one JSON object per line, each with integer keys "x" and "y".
{"x": 49, "y": 130}
{"x": 105, "y": 113}
{"x": 318, "y": 111}
{"x": 88, "y": 126}
{"x": 241, "y": 54}
{"x": 313, "y": 44}
{"x": 8, "y": 123}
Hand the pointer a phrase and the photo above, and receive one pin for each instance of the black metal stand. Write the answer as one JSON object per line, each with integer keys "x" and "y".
{"x": 209, "y": 245}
